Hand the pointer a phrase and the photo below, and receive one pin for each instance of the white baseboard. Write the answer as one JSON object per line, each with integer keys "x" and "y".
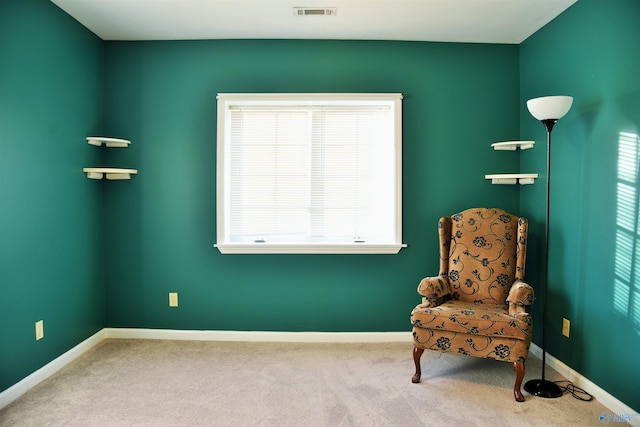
{"x": 616, "y": 407}
{"x": 21, "y": 387}
{"x": 259, "y": 336}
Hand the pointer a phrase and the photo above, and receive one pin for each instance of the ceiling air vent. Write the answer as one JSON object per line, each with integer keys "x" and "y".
{"x": 315, "y": 11}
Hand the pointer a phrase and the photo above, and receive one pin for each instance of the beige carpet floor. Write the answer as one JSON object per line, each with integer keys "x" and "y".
{"x": 196, "y": 383}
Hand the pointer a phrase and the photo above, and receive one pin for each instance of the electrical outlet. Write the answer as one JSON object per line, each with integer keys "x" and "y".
{"x": 39, "y": 330}
{"x": 566, "y": 326}
{"x": 173, "y": 299}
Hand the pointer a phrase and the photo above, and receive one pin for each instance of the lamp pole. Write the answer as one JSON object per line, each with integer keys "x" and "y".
{"x": 542, "y": 387}
{"x": 548, "y": 110}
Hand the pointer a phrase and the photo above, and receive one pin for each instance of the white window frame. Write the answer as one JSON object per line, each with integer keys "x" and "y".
{"x": 227, "y": 101}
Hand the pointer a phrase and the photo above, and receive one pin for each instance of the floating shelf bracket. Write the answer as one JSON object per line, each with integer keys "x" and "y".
{"x": 513, "y": 145}
{"x": 109, "y": 173}
{"x": 109, "y": 142}
{"x": 512, "y": 178}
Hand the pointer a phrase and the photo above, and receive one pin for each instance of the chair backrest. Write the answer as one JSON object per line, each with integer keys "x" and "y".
{"x": 483, "y": 252}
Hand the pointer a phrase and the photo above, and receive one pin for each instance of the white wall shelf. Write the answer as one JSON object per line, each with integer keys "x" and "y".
{"x": 109, "y": 173}
{"x": 512, "y": 178}
{"x": 109, "y": 142}
{"x": 513, "y": 145}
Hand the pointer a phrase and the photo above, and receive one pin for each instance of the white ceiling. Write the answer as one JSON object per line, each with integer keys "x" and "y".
{"x": 473, "y": 21}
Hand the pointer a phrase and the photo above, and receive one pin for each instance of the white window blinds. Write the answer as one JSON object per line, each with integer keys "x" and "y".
{"x": 308, "y": 173}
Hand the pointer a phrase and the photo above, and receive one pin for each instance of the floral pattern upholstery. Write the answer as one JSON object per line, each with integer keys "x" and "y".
{"x": 470, "y": 318}
{"x": 476, "y": 305}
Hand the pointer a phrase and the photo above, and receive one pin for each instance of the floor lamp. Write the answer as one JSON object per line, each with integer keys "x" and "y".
{"x": 548, "y": 110}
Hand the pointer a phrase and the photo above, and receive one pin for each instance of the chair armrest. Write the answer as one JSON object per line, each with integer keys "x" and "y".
{"x": 435, "y": 290}
{"x": 520, "y": 295}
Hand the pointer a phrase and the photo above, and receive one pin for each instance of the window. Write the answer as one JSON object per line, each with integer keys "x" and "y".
{"x": 309, "y": 173}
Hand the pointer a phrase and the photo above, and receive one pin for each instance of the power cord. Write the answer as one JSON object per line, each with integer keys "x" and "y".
{"x": 575, "y": 391}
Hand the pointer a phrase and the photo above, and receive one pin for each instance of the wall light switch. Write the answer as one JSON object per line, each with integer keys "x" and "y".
{"x": 173, "y": 299}
{"x": 39, "y": 330}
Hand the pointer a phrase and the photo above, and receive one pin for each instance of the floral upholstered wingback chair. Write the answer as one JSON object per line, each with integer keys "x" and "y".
{"x": 476, "y": 305}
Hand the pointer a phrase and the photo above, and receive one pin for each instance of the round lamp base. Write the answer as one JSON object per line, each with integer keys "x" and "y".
{"x": 543, "y": 388}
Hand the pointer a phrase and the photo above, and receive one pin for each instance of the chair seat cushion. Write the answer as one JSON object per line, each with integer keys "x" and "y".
{"x": 470, "y": 318}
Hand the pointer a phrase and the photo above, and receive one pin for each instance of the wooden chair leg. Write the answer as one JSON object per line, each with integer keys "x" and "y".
{"x": 417, "y": 353}
{"x": 517, "y": 393}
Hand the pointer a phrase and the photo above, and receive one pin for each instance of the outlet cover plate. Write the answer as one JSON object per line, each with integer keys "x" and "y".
{"x": 173, "y": 299}
{"x": 39, "y": 330}
{"x": 566, "y": 327}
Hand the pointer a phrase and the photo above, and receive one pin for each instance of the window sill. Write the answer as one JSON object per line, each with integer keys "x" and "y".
{"x": 310, "y": 248}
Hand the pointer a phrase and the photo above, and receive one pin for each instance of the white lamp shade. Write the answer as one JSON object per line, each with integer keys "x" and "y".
{"x": 549, "y": 107}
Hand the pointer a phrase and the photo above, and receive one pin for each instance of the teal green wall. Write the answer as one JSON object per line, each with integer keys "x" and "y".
{"x": 51, "y": 87}
{"x": 591, "y": 52}
{"x": 458, "y": 99}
